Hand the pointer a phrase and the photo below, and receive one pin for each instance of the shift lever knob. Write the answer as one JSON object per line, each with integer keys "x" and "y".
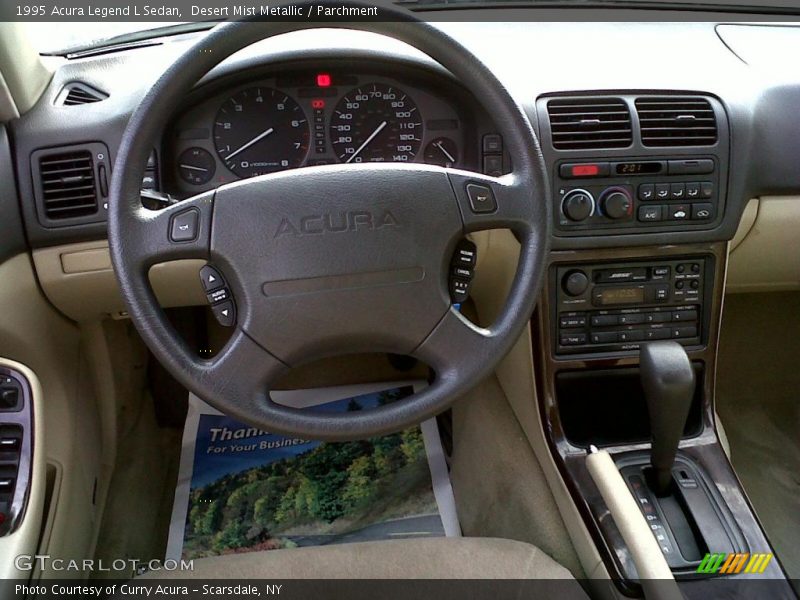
{"x": 668, "y": 382}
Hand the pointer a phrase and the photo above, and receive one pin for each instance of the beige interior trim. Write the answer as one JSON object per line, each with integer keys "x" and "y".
{"x": 654, "y": 573}
{"x": 26, "y": 537}
{"x": 764, "y": 256}
{"x": 745, "y": 223}
{"x": 498, "y": 256}
{"x": 24, "y": 75}
{"x": 79, "y": 280}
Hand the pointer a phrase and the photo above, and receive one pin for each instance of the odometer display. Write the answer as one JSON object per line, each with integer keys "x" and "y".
{"x": 376, "y": 123}
{"x": 260, "y": 131}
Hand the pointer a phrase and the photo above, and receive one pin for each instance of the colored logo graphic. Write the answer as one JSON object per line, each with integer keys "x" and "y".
{"x": 733, "y": 563}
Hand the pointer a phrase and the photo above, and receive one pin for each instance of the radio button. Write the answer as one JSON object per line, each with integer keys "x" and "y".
{"x": 647, "y": 191}
{"x": 605, "y": 320}
{"x": 662, "y": 191}
{"x": 660, "y": 272}
{"x": 659, "y": 317}
{"x": 661, "y": 293}
{"x": 572, "y": 322}
{"x": 572, "y": 339}
{"x": 657, "y": 334}
{"x": 631, "y": 319}
{"x": 684, "y": 332}
{"x": 684, "y": 315}
{"x": 605, "y": 337}
{"x": 631, "y": 336}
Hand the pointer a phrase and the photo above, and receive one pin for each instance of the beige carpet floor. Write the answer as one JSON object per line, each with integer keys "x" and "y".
{"x": 758, "y": 401}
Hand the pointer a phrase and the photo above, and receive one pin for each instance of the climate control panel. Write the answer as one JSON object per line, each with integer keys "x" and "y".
{"x": 596, "y": 196}
{"x": 615, "y": 307}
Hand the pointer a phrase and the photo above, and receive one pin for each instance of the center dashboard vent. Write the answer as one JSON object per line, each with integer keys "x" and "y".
{"x": 673, "y": 121}
{"x": 587, "y": 123}
{"x": 68, "y": 186}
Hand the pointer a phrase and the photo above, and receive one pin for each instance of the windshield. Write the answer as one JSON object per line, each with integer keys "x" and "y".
{"x": 59, "y": 38}
{"x": 56, "y": 38}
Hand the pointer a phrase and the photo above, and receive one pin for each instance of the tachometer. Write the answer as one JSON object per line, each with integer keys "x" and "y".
{"x": 259, "y": 131}
{"x": 376, "y": 123}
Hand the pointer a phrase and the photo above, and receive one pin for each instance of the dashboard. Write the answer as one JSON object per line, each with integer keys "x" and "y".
{"x": 303, "y": 116}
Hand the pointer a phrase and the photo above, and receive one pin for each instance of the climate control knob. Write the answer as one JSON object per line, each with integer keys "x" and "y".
{"x": 577, "y": 205}
{"x": 616, "y": 203}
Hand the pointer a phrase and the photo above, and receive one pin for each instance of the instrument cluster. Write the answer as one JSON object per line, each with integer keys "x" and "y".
{"x": 307, "y": 118}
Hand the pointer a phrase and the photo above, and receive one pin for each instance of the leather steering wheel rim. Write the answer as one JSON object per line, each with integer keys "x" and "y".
{"x": 293, "y": 306}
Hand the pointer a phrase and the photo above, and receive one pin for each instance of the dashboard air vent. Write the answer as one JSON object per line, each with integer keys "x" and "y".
{"x": 76, "y": 93}
{"x": 676, "y": 121}
{"x": 68, "y": 184}
{"x": 585, "y": 123}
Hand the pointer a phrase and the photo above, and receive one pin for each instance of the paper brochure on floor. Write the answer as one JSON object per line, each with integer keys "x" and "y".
{"x": 241, "y": 489}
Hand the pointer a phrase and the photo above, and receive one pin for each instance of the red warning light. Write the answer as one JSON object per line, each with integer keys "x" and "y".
{"x": 318, "y": 103}
{"x": 323, "y": 80}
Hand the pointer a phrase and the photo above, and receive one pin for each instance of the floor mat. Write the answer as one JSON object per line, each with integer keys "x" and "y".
{"x": 758, "y": 401}
{"x": 242, "y": 489}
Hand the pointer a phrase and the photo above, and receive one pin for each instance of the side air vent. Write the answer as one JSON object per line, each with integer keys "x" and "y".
{"x": 68, "y": 184}
{"x": 77, "y": 93}
{"x": 586, "y": 123}
{"x": 672, "y": 121}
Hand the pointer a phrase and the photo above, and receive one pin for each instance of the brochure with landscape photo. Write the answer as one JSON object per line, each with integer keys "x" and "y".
{"x": 241, "y": 489}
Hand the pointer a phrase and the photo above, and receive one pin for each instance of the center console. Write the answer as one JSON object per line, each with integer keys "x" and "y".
{"x": 626, "y": 330}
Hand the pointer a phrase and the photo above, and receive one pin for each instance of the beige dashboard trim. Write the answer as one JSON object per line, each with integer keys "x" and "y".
{"x": 79, "y": 280}
{"x": 764, "y": 253}
{"x": 23, "y": 541}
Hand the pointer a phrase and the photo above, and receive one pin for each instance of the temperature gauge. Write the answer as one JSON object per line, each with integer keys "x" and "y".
{"x": 442, "y": 151}
{"x": 196, "y": 166}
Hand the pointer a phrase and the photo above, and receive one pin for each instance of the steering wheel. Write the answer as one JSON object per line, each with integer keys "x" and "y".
{"x": 304, "y": 291}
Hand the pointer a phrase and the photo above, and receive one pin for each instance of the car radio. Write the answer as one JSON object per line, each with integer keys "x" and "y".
{"x": 617, "y": 306}
{"x": 636, "y": 193}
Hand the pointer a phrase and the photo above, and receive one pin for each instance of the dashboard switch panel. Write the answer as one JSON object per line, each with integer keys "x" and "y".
{"x": 16, "y": 448}
{"x": 615, "y": 307}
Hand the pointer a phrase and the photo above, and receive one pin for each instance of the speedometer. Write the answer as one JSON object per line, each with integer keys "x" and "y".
{"x": 259, "y": 131}
{"x": 376, "y": 123}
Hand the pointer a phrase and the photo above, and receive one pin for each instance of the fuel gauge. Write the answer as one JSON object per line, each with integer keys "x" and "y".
{"x": 196, "y": 166}
{"x": 441, "y": 151}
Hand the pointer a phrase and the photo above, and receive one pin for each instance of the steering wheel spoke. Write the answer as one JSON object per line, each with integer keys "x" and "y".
{"x": 493, "y": 202}
{"x": 182, "y": 230}
{"x": 455, "y": 344}
{"x": 242, "y": 371}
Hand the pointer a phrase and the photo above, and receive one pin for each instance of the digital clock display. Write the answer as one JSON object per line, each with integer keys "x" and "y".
{"x": 620, "y": 295}
{"x": 638, "y": 168}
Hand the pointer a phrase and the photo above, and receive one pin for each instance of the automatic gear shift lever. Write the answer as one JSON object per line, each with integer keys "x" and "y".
{"x": 668, "y": 382}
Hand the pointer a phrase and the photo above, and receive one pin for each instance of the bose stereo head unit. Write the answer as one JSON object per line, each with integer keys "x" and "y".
{"x": 611, "y": 307}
